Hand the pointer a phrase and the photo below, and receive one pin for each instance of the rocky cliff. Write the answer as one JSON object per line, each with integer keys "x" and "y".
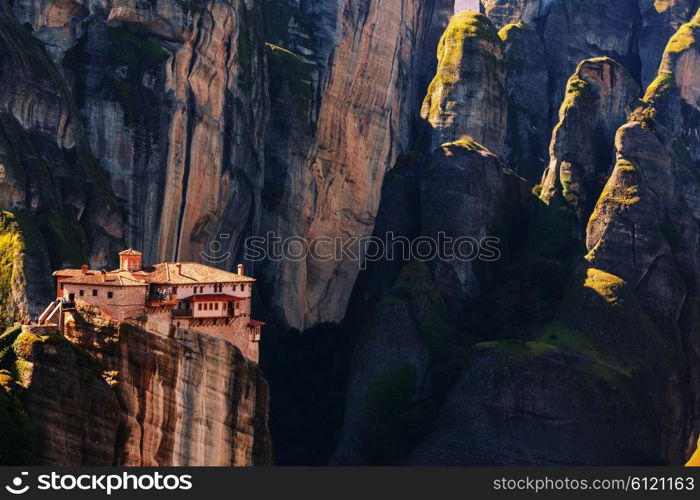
{"x": 599, "y": 96}
{"x": 136, "y": 394}
{"x": 176, "y": 98}
{"x": 59, "y": 208}
{"x": 589, "y": 325}
{"x": 175, "y": 125}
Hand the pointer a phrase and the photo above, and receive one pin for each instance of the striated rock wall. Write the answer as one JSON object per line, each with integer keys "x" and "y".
{"x": 185, "y": 398}
{"x": 366, "y": 101}
{"x": 185, "y": 131}
{"x": 133, "y": 394}
{"x": 75, "y": 415}
{"x": 599, "y": 97}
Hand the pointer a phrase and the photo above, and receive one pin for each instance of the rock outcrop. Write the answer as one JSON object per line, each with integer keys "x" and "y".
{"x": 504, "y": 12}
{"x": 184, "y": 398}
{"x": 367, "y": 115}
{"x": 633, "y": 32}
{"x": 599, "y": 97}
{"x": 659, "y": 21}
{"x": 574, "y": 31}
{"x": 467, "y": 193}
{"x": 132, "y": 394}
{"x": 614, "y": 355}
{"x": 64, "y": 211}
{"x": 462, "y": 193}
{"x": 467, "y": 97}
{"x": 529, "y": 402}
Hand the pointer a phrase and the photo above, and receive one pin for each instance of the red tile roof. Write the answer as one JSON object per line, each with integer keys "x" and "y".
{"x": 212, "y": 298}
{"x": 92, "y": 277}
{"x": 168, "y": 273}
{"x": 130, "y": 251}
{"x": 255, "y": 322}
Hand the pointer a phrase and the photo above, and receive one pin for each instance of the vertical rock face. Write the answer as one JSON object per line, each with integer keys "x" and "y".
{"x": 633, "y": 32}
{"x": 466, "y": 192}
{"x": 503, "y": 12}
{"x": 178, "y": 125}
{"x": 649, "y": 208}
{"x": 577, "y": 30}
{"x": 657, "y": 216}
{"x": 599, "y": 96}
{"x": 392, "y": 355}
{"x": 202, "y": 160}
{"x": 181, "y": 397}
{"x": 74, "y": 412}
{"x": 505, "y": 409}
{"x": 463, "y": 191}
{"x": 614, "y": 355}
{"x": 63, "y": 208}
{"x": 467, "y": 97}
{"x": 660, "y": 20}
{"x": 366, "y": 116}
{"x": 528, "y": 100}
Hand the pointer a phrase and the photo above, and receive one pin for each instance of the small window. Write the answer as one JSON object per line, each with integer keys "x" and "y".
{"x": 110, "y": 295}
{"x": 62, "y": 285}
{"x": 216, "y": 306}
{"x": 82, "y": 293}
{"x": 238, "y": 305}
{"x": 199, "y": 307}
{"x": 94, "y": 292}
{"x": 201, "y": 289}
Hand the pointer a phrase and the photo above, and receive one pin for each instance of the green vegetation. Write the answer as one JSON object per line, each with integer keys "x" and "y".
{"x": 136, "y": 46}
{"x": 686, "y": 38}
{"x": 394, "y": 420}
{"x": 464, "y": 28}
{"x": 663, "y": 83}
{"x": 511, "y": 30}
{"x": 390, "y": 394}
{"x": 577, "y": 91}
{"x": 16, "y": 437}
{"x": 469, "y": 24}
{"x": 12, "y": 253}
{"x": 469, "y": 143}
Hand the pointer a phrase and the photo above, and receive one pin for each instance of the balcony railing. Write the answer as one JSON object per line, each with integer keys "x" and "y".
{"x": 182, "y": 313}
{"x": 161, "y": 299}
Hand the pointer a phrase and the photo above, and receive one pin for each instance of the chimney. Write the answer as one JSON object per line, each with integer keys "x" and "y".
{"x": 104, "y": 275}
{"x": 178, "y": 269}
{"x": 240, "y": 269}
{"x": 83, "y": 269}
